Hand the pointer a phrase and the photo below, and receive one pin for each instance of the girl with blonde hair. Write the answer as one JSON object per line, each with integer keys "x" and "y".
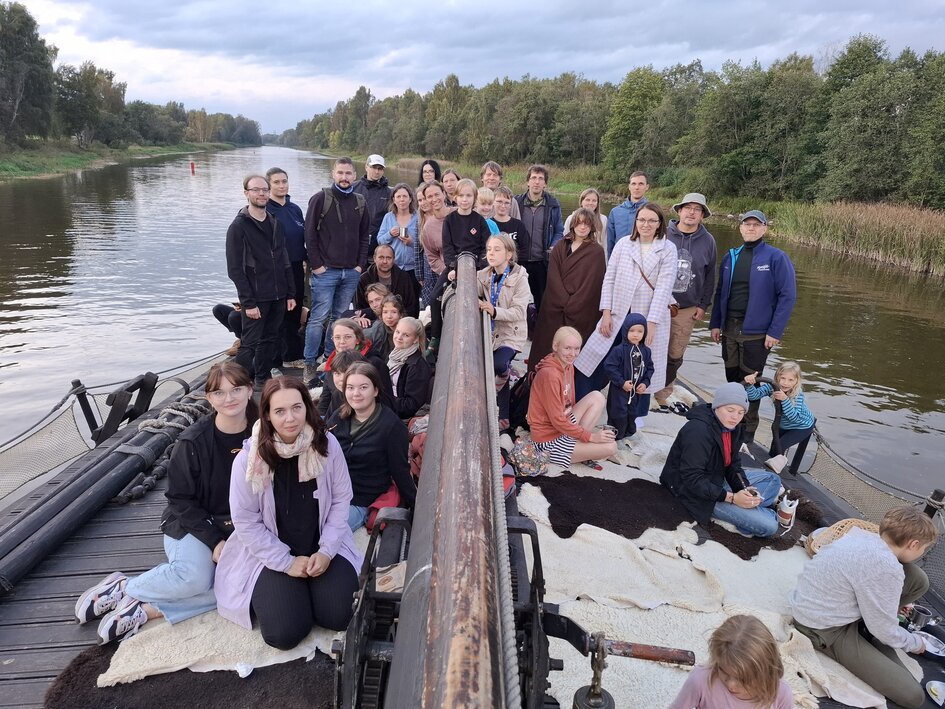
{"x": 744, "y": 671}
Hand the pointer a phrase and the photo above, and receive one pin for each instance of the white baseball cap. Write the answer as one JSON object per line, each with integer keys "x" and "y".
{"x": 375, "y": 160}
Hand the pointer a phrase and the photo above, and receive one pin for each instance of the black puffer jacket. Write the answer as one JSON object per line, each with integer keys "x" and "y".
{"x": 377, "y": 197}
{"x": 695, "y": 467}
{"x": 257, "y": 264}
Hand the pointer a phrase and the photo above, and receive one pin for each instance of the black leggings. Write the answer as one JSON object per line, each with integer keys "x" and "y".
{"x": 287, "y": 607}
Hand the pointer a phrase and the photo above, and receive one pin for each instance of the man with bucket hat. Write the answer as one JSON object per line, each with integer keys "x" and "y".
{"x": 753, "y": 303}
{"x": 693, "y": 289}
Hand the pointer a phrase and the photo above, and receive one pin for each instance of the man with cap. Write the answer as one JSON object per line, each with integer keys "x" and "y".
{"x": 753, "y": 303}
{"x": 376, "y": 192}
{"x": 694, "y": 286}
{"x": 704, "y": 469}
{"x": 622, "y": 218}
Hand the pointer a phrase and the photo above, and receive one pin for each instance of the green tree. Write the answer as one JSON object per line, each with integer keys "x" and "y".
{"x": 444, "y": 118}
{"x": 925, "y": 142}
{"x": 673, "y": 116}
{"x": 865, "y": 136}
{"x": 720, "y": 139}
{"x": 638, "y": 96}
{"x": 27, "y": 79}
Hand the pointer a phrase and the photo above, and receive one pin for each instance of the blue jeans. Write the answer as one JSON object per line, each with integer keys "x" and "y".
{"x": 760, "y": 521}
{"x": 332, "y": 293}
{"x": 181, "y": 588}
{"x": 357, "y": 516}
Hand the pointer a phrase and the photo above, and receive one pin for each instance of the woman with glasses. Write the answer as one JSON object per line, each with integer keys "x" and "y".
{"x": 639, "y": 279}
{"x": 196, "y": 522}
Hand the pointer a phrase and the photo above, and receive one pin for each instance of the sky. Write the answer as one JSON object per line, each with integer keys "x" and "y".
{"x": 280, "y": 64}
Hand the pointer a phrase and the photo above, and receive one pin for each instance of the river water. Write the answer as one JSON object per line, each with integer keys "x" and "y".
{"x": 107, "y": 273}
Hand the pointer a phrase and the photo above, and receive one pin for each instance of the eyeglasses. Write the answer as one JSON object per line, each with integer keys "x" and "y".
{"x": 221, "y": 395}
{"x": 648, "y": 222}
{"x": 258, "y": 190}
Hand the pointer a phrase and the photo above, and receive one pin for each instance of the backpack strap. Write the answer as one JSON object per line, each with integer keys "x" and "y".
{"x": 330, "y": 200}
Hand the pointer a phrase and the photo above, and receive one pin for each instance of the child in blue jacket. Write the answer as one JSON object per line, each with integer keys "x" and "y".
{"x": 628, "y": 367}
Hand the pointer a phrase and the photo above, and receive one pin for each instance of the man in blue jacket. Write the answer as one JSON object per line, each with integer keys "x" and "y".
{"x": 753, "y": 303}
{"x": 541, "y": 215}
{"x": 621, "y": 219}
{"x": 289, "y": 216}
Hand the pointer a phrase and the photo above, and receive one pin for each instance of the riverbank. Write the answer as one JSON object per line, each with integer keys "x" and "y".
{"x": 898, "y": 235}
{"x": 58, "y": 158}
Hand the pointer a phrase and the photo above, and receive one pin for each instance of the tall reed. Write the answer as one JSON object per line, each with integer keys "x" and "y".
{"x": 900, "y": 235}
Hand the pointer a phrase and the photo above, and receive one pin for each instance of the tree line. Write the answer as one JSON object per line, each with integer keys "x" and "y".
{"x": 865, "y": 126}
{"x": 86, "y": 103}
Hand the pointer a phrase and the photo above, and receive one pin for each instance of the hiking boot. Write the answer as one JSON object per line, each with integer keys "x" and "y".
{"x": 234, "y": 348}
{"x": 294, "y": 364}
{"x": 123, "y": 622}
{"x": 310, "y": 374}
{"x": 101, "y": 598}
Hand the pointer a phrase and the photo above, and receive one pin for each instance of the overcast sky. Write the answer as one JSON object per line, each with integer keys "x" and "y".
{"x": 282, "y": 62}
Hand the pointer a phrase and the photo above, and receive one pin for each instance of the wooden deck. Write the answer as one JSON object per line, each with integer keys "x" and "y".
{"x": 39, "y": 635}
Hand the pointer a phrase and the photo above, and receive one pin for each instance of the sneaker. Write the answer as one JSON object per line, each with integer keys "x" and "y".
{"x": 294, "y": 364}
{"x": 275, "y": 372}
{"x": 594, "y": 465}
{"x": 234, "y": 348}
{"x": 101, "y": 598}
{"x": 310, "y": 373}
{"x": 123, "y": 622}
{"x": 677, "y": 407}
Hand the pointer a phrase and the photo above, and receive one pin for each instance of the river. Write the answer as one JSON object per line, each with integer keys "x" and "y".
{"x": 107, "y": 273}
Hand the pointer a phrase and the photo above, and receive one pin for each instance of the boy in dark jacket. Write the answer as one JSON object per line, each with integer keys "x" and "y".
{"x": 704, "y": 471}
{"x": 629, "y": 367}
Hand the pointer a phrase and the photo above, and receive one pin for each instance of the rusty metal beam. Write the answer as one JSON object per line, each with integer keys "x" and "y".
{"x": 448, "y": 651}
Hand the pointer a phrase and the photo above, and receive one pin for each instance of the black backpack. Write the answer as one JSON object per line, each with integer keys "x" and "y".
{"x": 518, "y": 402}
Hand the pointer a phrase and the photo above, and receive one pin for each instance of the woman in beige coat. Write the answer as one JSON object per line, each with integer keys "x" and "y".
{"x": 639, "y": 279}
{"x": 504, "y": 295}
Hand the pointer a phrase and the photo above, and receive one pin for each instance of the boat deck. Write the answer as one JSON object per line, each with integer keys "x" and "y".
{"x": 39, "y": 635}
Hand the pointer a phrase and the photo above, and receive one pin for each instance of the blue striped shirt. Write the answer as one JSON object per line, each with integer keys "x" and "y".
{"x": 794, "y": 412}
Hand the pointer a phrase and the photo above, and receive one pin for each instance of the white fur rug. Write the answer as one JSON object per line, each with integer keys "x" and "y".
{"x": 664, "y": 589}
{"x": 207, "y": 643}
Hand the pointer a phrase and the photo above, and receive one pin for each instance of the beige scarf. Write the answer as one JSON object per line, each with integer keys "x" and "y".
{"x": 311, "y": 463}
{"x": 397, "y": 358}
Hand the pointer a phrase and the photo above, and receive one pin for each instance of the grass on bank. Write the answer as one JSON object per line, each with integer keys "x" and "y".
{"x": 900, "y": 235}
{"x": 56, "y": 158}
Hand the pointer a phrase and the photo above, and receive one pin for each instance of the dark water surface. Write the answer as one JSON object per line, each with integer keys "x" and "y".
{"x": 107, "y": 273}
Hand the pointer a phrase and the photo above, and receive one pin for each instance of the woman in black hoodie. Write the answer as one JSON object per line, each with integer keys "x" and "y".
{"x": 374, "y": 442}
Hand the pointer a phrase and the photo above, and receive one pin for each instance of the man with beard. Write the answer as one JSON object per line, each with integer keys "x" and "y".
{"x": 385, "y": 271}
{"x": 376, "y": 192}
{"x": 336, "y": 241}
{"x": 258, "y": 265}
{"x": 695, "y": 283}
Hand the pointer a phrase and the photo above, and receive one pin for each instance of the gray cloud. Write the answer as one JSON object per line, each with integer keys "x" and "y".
{"x": 389, "y": 47}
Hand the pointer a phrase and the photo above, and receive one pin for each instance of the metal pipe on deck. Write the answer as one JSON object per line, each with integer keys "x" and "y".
{"x": 448, "y": 650}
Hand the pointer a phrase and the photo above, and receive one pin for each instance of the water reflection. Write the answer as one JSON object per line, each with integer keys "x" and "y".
{"x": 110, "y": 272}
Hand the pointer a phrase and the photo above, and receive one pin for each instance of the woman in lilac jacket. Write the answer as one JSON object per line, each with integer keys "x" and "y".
{"x": 291, "y": 559}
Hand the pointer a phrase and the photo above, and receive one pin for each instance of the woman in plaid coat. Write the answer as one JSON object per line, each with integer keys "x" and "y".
{"x": 640, "y": 276}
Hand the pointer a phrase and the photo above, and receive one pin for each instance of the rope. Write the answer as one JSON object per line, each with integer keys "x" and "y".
{"x": 513, "y": 691}
{"x": 937, "y": 505}
{"x": 190, "y": 412}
